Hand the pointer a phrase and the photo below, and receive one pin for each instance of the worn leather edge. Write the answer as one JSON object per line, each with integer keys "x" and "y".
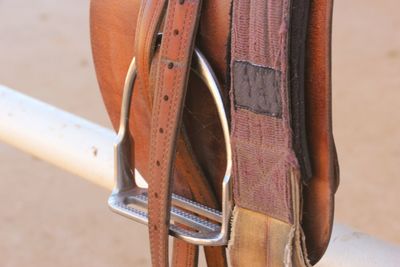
{"x": 318, "y": 193}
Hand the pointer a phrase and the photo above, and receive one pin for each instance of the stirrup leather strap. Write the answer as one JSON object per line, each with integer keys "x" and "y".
{"x": 150, "y": 18}
{"x": 176, "y": 50}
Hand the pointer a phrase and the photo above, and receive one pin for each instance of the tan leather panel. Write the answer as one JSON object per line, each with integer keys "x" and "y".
{"x": 113, "y": 26}
{"x": 214, "y": 29}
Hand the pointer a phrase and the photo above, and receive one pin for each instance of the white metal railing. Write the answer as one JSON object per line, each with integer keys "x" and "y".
{"x": 86, "y": 149}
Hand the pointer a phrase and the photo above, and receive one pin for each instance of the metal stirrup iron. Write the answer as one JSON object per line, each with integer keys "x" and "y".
{"x": 190, "y": 221}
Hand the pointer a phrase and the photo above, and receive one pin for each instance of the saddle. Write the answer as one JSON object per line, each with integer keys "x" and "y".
{"x": 224, "y": 108}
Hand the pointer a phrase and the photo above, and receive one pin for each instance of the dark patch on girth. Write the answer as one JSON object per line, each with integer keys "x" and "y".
{"x": 257, "y": 89}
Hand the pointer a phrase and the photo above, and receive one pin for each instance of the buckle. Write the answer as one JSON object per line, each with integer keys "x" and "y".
{"x": 190, "y": 221}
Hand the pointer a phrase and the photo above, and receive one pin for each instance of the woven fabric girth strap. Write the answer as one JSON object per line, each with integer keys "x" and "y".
{"x": 176, "y": 50}
{"x": 265, "y": 170}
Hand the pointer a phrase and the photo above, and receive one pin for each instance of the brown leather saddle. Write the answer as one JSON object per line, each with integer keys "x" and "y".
{"x": 226, "y": 113}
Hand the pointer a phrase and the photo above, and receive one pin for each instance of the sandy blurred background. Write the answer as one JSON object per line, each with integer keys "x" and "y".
{"x": 51, "y": 218}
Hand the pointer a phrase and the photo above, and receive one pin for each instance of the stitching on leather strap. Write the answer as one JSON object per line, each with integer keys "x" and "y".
{"x": 151, "y": 15}
{"x": 175, "y": 55}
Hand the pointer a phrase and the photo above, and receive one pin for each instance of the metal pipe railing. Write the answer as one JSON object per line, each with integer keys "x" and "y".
{"x": 86, "y": 149}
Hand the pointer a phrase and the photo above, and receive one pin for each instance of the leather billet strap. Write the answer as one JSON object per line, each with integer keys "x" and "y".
{"x": 176, "y": 50}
